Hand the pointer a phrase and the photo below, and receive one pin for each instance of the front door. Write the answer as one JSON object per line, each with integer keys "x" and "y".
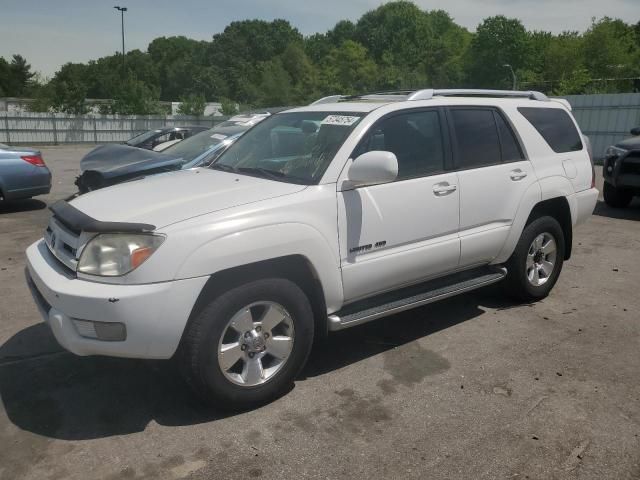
{"x": 399, "y": 233}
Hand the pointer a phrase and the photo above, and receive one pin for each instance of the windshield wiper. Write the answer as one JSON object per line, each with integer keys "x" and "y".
{"x": 263, "y": 172}
{"x": 224, "y": 168}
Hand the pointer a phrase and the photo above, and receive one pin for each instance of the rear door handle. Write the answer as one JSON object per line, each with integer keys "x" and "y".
{"x": 517, "y": 174}
{"x": 443, "y": 188}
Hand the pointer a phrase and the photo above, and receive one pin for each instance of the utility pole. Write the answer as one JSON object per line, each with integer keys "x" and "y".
{"x": 122, "y": 10}
{"x": 513, "y": 75}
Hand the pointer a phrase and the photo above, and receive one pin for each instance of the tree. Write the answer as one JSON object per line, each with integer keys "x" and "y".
{"x": 134, "y": 97}
{"x": 611, "y": 51}
{"x": 498, "y": 41}
{"x": 16, "y": 77}
{"x": 394, "y": 46}
{"x": 349, "y": 70}
{"x": 276, "y": 86}
{"x": 192, "y": 105}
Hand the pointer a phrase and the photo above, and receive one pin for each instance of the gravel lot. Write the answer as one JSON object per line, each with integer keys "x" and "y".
{"x": 471, "y": 388}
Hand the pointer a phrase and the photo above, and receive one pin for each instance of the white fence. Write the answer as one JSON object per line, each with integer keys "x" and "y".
{"x": 59, "y": 128}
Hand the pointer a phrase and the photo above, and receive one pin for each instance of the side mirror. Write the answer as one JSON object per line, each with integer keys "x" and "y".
{"x": 373, "y": 168}
{"x": 635, "y": 131}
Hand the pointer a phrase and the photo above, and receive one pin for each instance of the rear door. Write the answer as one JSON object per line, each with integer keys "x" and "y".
{"x": 493, "y": 174}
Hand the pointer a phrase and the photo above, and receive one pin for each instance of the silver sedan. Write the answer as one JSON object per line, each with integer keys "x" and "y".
{"x": 23, "y": 173}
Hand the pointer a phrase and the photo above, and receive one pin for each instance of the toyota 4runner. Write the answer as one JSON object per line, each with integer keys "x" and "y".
{"x": 317, "y": 219}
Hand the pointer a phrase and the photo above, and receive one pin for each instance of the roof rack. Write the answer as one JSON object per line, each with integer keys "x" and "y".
{"x": 429, "y": 93}
{"x": 329, "y": 99}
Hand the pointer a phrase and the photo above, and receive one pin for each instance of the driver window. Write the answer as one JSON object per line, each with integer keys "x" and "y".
{"x": 416, "y": 140}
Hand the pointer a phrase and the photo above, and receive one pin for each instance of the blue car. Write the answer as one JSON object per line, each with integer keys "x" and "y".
{"x": 23, "y": 173}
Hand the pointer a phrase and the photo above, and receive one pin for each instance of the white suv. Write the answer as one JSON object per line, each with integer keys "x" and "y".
{"x": 317, "y": 219}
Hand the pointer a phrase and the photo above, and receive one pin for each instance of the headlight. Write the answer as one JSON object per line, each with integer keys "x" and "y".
{"x": 115, "y": 254}
{"x": 615, "y": 152}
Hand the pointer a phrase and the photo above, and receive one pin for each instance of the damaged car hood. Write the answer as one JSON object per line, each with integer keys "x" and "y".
{"x": 116, "y": 160}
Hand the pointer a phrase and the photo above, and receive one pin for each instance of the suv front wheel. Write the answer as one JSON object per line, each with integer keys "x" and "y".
{"x": 537, "y": 260}
{"x": 247, "y": 346}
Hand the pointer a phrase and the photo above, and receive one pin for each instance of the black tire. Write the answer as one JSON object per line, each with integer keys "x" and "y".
{"x": 517, "y": 282}
{"x": 617, "y": 197}
{"x": 199, "y": 350}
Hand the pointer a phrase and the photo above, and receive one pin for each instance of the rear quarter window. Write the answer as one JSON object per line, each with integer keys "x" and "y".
{"x": 555, "y": 126}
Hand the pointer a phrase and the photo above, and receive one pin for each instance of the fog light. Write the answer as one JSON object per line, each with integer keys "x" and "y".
{"x": 106, "y": 331}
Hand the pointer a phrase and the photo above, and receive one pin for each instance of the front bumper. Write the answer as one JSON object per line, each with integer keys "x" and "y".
{"x": 623, "y": 171}
{"x": 154, "y": 315}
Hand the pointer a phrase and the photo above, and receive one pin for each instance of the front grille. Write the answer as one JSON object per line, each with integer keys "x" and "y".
{"x": 631, "y": 164}
{"x": 62, "y": 243}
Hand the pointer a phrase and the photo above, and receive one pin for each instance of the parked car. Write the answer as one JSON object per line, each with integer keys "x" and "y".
{"x": 317, "y": 219}
{"x": 111, "y": 164}
{"x": 621, "y": 171}
{"x": 108, "y": 165}
{"x": 23, "y": 173}
{"x": 157, "y": 138}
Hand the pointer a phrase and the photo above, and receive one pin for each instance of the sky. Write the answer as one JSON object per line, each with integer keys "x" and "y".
{"x": 50, "y": 33}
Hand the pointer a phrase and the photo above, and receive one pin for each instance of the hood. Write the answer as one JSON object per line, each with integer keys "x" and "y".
{"x": 175, "y": 196}
{"x": 632, "y": 143}
{"x": 117, "y": 160}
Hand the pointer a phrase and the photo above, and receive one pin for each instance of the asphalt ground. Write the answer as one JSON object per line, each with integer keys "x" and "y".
{"x": 474, "y": 387}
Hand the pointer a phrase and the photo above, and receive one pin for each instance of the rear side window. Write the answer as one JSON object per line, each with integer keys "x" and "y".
{"x": 476, "y": 136}
{"x": 555, "y": 126}
{"x": 511, "y": 151}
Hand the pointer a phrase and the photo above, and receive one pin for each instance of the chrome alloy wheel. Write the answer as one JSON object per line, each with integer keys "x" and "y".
{"x": 541, "y": 259}
{"x": 256, "y": 343}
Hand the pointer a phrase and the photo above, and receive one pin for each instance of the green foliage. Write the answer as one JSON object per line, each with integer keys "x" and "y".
{"x": 192, "y": 105}
{"x": 16, "y": 77}
{"x": 395, "y": 46}
{"x": 134, "y": 97}
{"x": 498, "y": 41}
{"x": 229, "y": 107}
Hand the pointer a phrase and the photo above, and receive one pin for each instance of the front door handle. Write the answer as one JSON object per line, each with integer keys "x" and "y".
{"x": 517, "y": 174}
{"x": 443, "y": 188}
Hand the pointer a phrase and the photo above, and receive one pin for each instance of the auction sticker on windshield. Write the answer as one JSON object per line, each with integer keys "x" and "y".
{"x": 343, "y": 120}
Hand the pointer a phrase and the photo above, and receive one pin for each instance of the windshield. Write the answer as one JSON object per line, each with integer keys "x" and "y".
{"x": 197, "y": 145}
{"x": 143, "y": 136}
{"x": 292, "y": 147}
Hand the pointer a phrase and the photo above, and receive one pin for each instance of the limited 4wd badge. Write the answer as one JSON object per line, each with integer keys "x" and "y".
{"x": 365, "y": 248}
{"x": 344, "y": 120}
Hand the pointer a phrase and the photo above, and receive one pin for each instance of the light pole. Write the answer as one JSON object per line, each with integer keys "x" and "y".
{"x": 513, "y": 75}
{"x": 122, "y": 10}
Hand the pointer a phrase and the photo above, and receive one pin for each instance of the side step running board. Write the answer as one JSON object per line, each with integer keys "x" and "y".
{"x": 411, "y": 297}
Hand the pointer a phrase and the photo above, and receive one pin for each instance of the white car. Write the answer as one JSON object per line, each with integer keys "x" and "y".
{"x": 317, "y": 219}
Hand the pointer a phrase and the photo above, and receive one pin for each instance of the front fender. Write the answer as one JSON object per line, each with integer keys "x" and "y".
{"x": 266, "y": 243}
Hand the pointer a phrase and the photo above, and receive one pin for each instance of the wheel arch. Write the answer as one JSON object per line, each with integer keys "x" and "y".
{"x": 558, "y": 208}
{"x": 296, "y": 268}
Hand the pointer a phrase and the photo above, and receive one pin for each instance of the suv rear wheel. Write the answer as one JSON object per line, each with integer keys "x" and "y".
{"x": 616, "y": 197}
{"x": 537, "y": 260}
{"x": 246, "y": 346}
